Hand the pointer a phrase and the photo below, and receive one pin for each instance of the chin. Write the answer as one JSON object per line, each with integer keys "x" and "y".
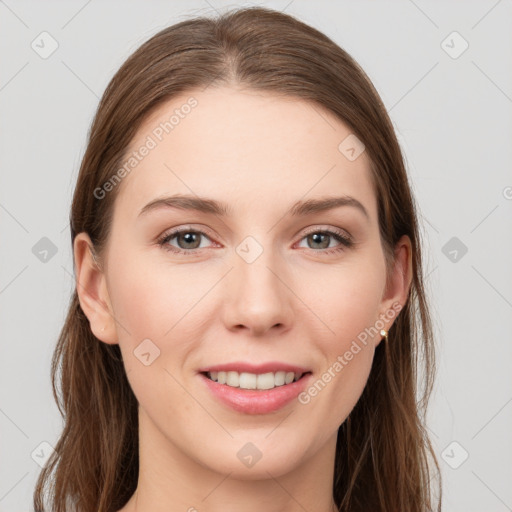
{"x": 252, "y": 463}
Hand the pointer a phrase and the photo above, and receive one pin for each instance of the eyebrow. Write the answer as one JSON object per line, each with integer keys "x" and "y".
{"x": 211, "y": 206}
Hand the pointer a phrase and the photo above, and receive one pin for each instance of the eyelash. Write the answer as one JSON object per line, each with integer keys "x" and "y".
{"x": 345, "y": 241}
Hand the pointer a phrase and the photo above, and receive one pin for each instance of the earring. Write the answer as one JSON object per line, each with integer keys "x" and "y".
{"x": 384, "y": 333}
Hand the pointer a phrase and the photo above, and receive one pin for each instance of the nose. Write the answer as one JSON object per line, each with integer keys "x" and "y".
{"x": 258, "y": 297}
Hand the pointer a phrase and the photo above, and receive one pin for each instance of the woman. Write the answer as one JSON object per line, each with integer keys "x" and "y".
{"x": 249, "y": 318}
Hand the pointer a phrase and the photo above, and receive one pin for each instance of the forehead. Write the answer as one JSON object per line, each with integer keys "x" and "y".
{"x": 242, "y": 147}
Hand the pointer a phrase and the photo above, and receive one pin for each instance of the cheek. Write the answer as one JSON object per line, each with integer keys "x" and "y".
{"x": 348, "y": 305}
{"x": 160, "y": 302}
{"x": 150, "y": 299}
{"x": 348, "y": 300}
{"x": 151, "y": 303}
{"x": 351, "y": 376}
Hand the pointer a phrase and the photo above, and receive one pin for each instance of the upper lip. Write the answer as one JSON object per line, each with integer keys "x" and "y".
{"x": 243, "y": 367}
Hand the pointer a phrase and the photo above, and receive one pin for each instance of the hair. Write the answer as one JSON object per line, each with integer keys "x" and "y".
{"x": 383, "y": 452}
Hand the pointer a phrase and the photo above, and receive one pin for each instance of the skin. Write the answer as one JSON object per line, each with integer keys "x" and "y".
{"x": 259, "y": 153}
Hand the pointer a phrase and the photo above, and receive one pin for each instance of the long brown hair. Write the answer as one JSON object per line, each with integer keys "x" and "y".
{"x": 383, "y": 456}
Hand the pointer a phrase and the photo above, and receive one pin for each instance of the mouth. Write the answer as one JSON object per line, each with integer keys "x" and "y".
{"x": 255, "y": 381}
{"x": 255, "y": 393}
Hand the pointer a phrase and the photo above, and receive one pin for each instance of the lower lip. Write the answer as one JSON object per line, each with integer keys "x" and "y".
{"x": 250, "y": 401}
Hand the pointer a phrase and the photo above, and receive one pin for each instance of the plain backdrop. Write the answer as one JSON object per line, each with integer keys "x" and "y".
{"x": 444, "y": 72}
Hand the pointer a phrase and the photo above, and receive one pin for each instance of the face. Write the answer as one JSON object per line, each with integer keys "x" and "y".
{"x": 265, "y": 282}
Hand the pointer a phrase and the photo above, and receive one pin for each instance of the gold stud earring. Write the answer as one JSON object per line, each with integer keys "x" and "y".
{"x": 384, "y": 333}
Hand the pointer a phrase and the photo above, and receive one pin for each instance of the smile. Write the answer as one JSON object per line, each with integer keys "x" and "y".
{"x": 261, "y": 381}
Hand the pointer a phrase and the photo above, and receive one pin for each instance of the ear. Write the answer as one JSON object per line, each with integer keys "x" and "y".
{"x": 397, "y": 289}
{"x": 92, "y": 290}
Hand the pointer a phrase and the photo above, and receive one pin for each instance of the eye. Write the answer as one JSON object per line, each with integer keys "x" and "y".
{"x": 188, "y": 240}
{"x": 323, "y": 238}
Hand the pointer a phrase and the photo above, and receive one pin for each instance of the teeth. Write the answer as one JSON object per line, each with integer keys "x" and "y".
{"x": 253, "y": 381}
{"x": 232, "y": 379}
{"x": 280, "y": 378}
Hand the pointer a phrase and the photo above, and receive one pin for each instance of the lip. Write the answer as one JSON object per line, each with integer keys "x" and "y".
{"x": 249, "y": 401}
{"x": 241, "y": 367}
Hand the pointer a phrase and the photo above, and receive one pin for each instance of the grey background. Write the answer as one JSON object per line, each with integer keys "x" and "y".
{"x": 453, "y": 118}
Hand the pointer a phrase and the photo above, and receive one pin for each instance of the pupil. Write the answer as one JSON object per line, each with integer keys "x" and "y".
{"x": 189, "y": 238}
{"x": 315, "y": 239}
